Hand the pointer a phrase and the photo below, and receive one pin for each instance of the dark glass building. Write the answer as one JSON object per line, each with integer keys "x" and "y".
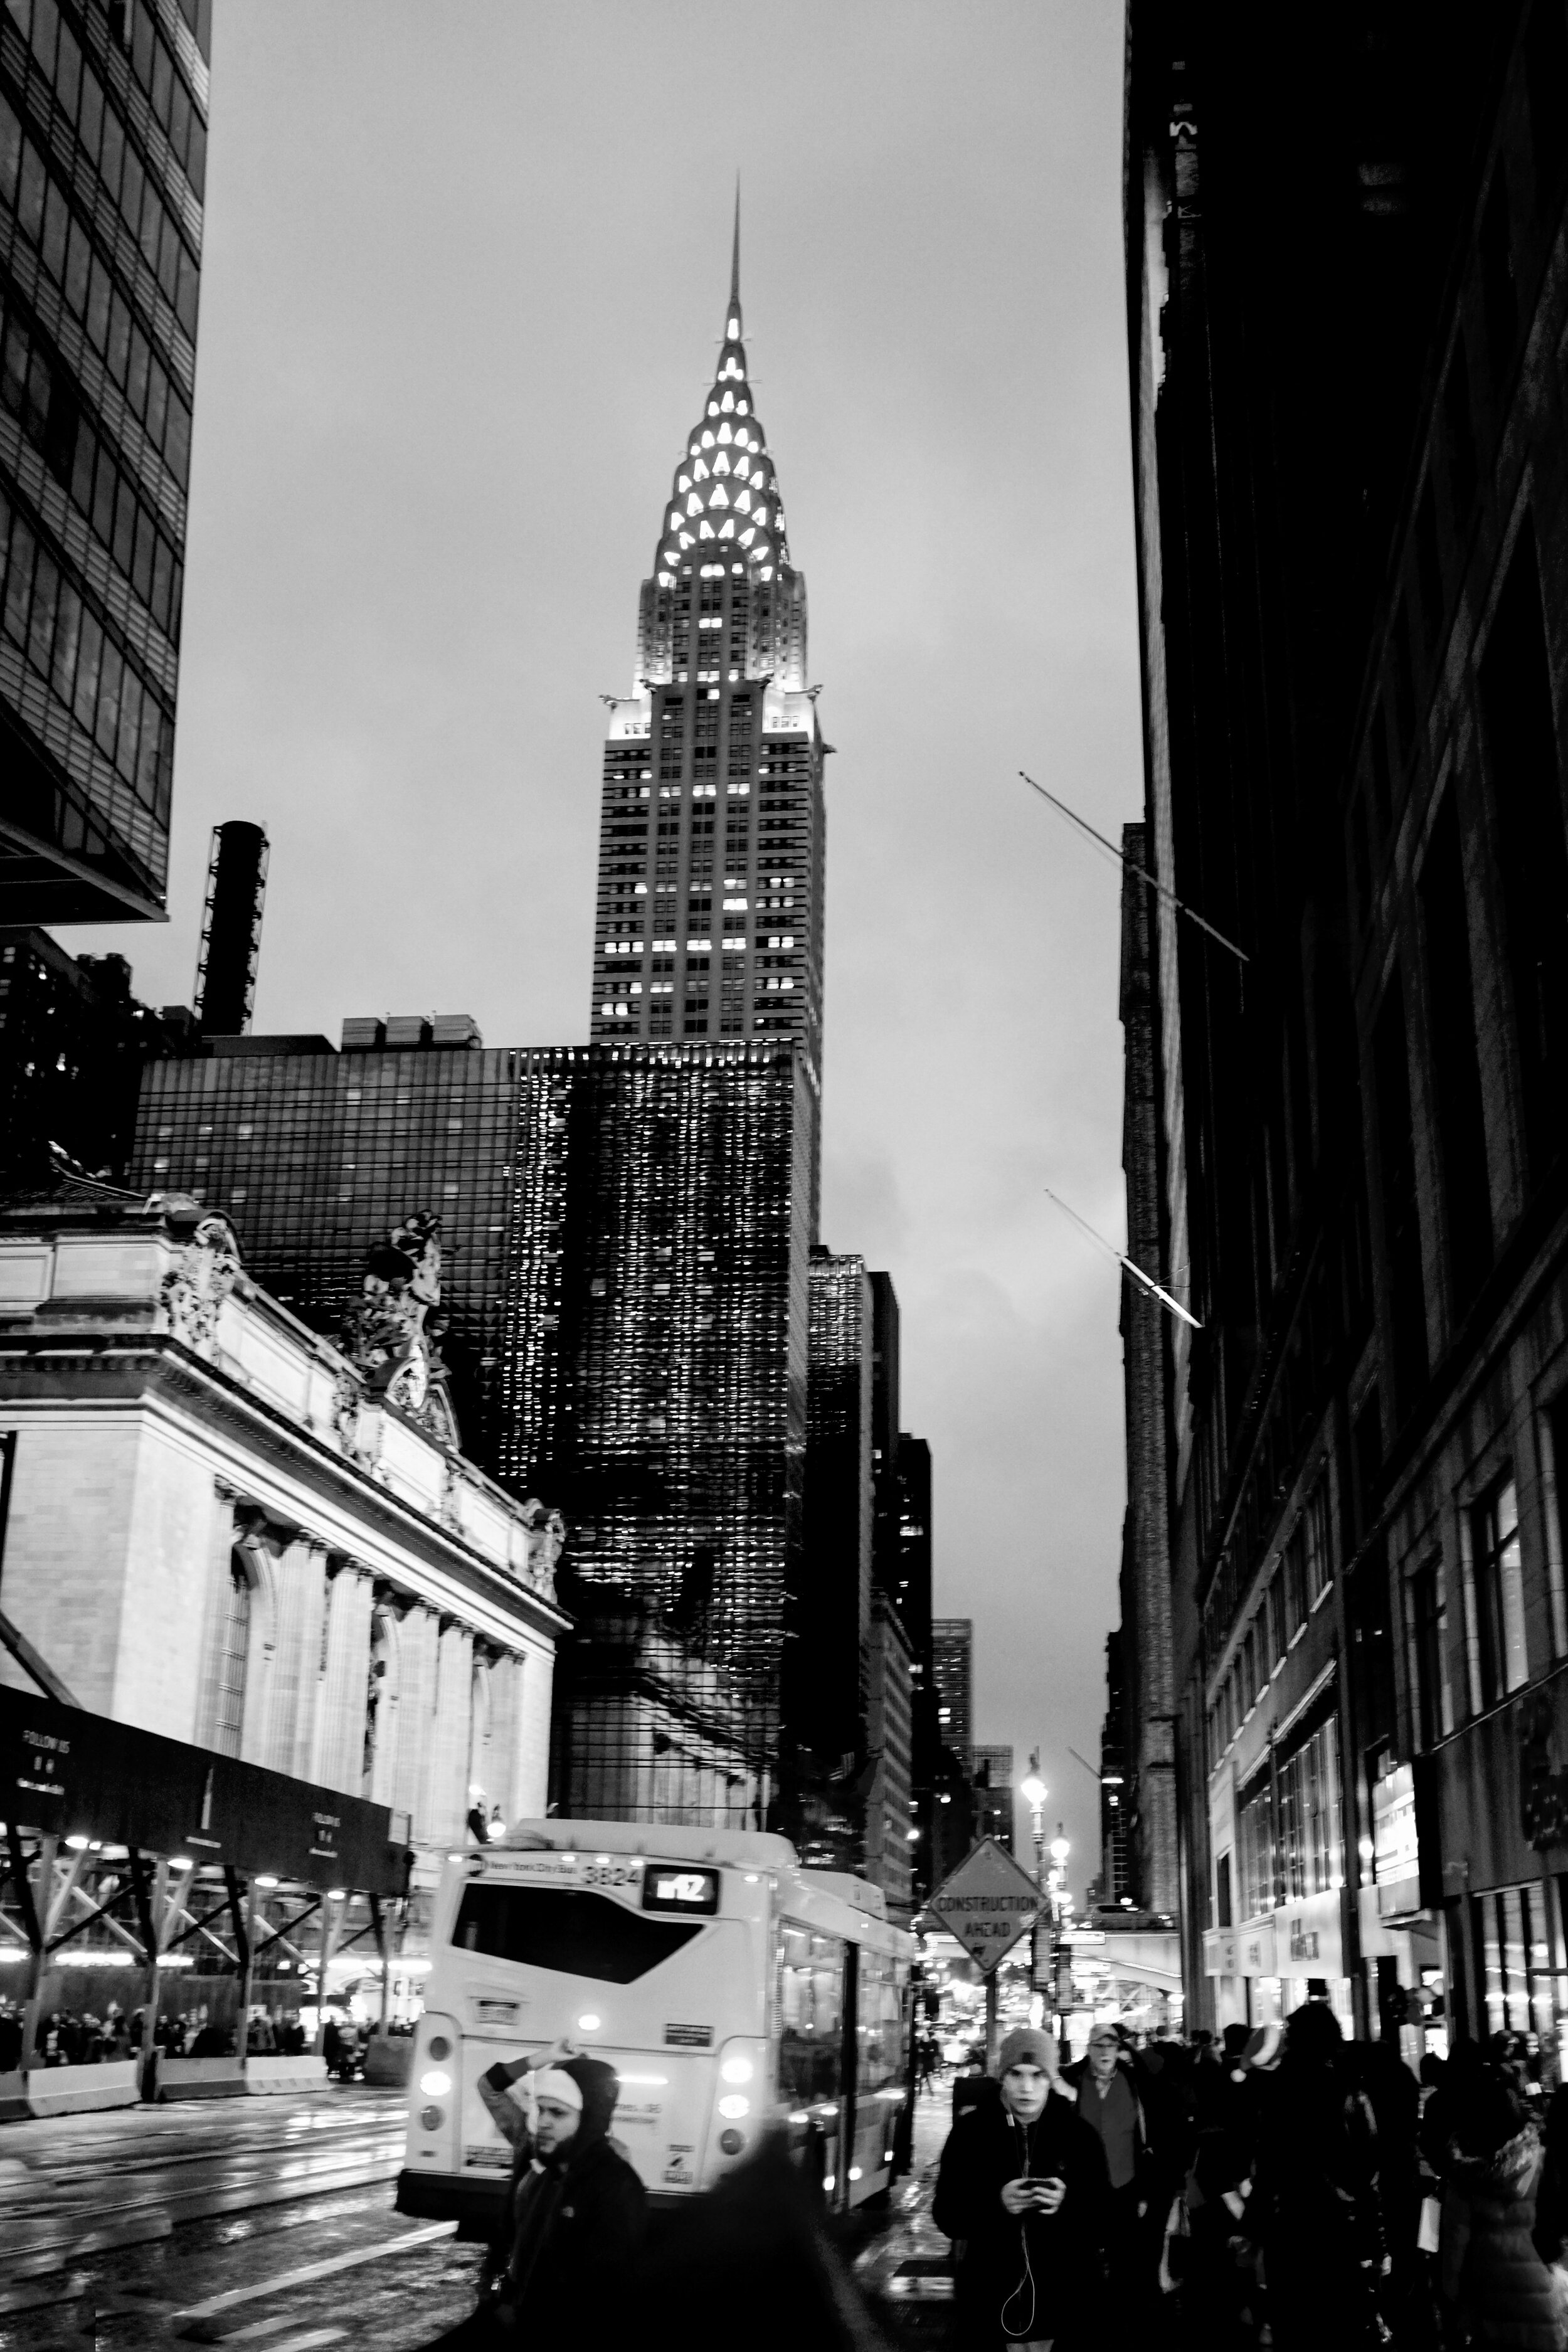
{"x": 625, "y": 1253}
{"x": 713, "y": 831}
{"x": 825, "y": 1681}
{"x": 73, "y": 1045}
{"x": 103, "y": 165}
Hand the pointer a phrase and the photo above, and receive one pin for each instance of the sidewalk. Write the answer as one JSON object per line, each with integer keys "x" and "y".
{"x": 904, "y": 2273}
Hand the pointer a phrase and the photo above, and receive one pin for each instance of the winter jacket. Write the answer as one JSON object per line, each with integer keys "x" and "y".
{"x": 1315, "y": 2207}
{"x": 1021, "y": 2276}
{"x": 574, "y": 2224}
{"x": 1489, "y": 2267}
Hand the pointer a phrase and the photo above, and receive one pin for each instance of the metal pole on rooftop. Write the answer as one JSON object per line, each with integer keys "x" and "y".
{"x": 384, "y": 1948}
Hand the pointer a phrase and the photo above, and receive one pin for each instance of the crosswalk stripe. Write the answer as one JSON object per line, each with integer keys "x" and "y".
{"x": 302, "y": 2277}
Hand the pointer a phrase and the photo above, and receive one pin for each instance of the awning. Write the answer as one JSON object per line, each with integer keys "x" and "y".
{"x": 74, "y": 1775}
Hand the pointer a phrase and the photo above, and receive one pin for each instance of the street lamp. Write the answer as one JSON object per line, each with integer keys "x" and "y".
{"x": 1034, "y": 1792}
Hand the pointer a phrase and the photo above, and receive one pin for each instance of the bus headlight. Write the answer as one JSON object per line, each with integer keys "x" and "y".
{"x": 737, "y": 2070}
{"x": 432, "y": 2119}
{"x": 735, "y": 2107}
{"x": 435, "y": 2084}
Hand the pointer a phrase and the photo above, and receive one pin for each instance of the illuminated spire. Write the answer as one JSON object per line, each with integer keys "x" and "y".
{"x": 735, "y": 263}
{"x": 725, "y": 487}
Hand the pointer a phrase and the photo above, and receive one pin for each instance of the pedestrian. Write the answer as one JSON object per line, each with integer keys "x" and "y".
{"x": 1108, "y": 2102}
{"x": 1021, "y": 2190}
{"x": 1314, "y": 2203}
{"x": 1492, "y": 2273}
{"x": 575, "y": 2214}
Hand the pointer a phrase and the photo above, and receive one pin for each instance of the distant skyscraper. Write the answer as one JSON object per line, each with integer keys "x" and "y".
{"x": 993, "y": 1793}
{"x": 713, "y": 830}
{"x": 826, "y": 1688}
{"x": 952, "y": 1662}
{"x": 103, "y": 167}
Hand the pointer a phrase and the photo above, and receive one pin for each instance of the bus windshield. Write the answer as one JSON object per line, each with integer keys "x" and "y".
{"x": 568, "y": 1930}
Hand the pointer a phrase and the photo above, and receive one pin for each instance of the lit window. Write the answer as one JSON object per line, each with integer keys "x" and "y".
{"x": 684, "y": 482}
{"x": 743, "y": 407}
{"x": 700, "y": 470}
{"x": 727, "y": 403}
{"x": 734, "y": 906}
{"x": 725, "y": 434}
{"x": 719, "y": 496}
{"x": 743, "y": 502}
{"x": 693, "y": 504}
{"x": 607, "y": 1010}
{"x": 734, "y": 331}
{"x": 721, "y": 464}
{"x": 707, "y": 437}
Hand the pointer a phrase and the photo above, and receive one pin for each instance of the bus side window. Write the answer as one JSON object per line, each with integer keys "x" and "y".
{"x": 811, "y": 2014}
{"x": 878, "y": 2022}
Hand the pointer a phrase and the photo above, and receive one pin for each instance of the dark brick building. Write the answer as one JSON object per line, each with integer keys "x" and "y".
{"x": 1348, "y": 440}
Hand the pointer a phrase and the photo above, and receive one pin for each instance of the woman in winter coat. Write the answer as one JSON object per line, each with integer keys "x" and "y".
{"x": 1022, "y": 2192}
{"x": 1491, "y": 2273}
{"x": 1314, "y": 2202}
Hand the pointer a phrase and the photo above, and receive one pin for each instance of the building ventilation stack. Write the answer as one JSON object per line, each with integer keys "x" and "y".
{"x": 231, "y": 929}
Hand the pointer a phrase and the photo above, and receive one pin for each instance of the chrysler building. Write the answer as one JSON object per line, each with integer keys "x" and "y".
{"x": 711, "y": 836}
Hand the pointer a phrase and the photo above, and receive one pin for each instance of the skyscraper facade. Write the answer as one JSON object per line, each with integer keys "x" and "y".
{"x": 952, "y": 1669}
{"x": 102, "y": 168}
{"x": 993, "y": 1793}
{"x": 713, "y": 826}
{"x": 826, "y": 1676}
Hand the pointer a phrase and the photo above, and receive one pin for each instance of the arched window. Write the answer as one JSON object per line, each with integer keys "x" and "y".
{"x": 231, "y": 1657}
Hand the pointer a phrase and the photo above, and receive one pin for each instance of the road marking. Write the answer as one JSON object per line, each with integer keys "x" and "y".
{"x": 296, "y": 2342}
{"x": 217, "y": 2303}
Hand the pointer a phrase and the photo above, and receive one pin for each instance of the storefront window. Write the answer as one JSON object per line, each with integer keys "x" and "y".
{"x": 1499, "y": 1594}
{"x": 1523, "y": 1987}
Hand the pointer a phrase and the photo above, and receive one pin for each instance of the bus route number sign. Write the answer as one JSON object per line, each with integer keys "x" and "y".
{"x": 680, "y": 1888}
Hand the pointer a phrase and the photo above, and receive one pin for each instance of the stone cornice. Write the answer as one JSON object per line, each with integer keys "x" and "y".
{"x": 130, "y": 1368}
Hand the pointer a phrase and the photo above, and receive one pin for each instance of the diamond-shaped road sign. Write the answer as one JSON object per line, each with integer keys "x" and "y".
{"x": 987, "y": 1903}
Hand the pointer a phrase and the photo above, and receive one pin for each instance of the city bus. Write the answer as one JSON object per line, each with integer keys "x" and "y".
{"x": 730, "y": 1989}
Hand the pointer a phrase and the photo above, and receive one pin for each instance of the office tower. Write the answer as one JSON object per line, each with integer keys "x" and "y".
{"x": 231, "y": 929}
{"x": 73, "y": 1045}
{"x": 953, "y": 1670}
{"x": 624, "y": 1236}
{"x": 993, "y": 1793}
{"x": 712, "y": 834}
{"x": 889, "y": 1853}
{"x": 102, "y": 167}
{"x": 826, "y": 1663}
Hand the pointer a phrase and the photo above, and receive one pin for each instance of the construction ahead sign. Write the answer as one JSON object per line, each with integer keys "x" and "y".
{"x": 987, "y": 1903}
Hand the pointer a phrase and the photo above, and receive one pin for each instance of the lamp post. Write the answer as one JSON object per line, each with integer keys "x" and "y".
{"x": 1034, "y": 1792}
{"x": 1061, "y": 1903}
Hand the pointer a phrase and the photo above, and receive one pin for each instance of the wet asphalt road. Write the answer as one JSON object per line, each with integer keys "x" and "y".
{"x": 263, "y": 2222}
{"x": 270, "y": 2221}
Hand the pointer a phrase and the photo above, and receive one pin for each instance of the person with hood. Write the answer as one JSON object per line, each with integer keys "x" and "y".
{"x": 1022, "y": 2191}
{"x": 1492, "y": 2273}
{"x": 576, "y": 2213}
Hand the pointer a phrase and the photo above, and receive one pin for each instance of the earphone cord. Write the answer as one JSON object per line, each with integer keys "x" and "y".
{"x": 1026, "y": 2331}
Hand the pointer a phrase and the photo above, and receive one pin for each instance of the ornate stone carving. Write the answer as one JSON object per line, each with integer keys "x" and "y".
{"x": 196, "y": 1288}
{"x": 546, "y": 1540}
{"x": 392, "y": 1331}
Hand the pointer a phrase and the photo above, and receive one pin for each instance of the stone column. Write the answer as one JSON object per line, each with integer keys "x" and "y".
{"x": 340, "y": 1724}
{"x": 302, "y": 1588}
{"x": 418, "y": 1638}
{"x": 214, "y": 1613}
{"x": 451, "y": 1732}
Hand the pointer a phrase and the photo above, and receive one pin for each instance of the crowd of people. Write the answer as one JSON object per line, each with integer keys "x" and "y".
{"x": 80, "y": 2037}
{"x": 1282, "y": 2187}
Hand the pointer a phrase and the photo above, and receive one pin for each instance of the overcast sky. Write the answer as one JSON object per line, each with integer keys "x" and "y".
{"x": 464, "y": 278}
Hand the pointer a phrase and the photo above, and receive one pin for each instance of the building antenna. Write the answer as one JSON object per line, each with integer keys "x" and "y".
{"x": 1122, "y": 1259}
{"x": 1150, "y": 881}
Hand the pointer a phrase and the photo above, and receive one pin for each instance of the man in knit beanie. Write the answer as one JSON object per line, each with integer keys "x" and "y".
{"x": 1021, "y": 2191}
